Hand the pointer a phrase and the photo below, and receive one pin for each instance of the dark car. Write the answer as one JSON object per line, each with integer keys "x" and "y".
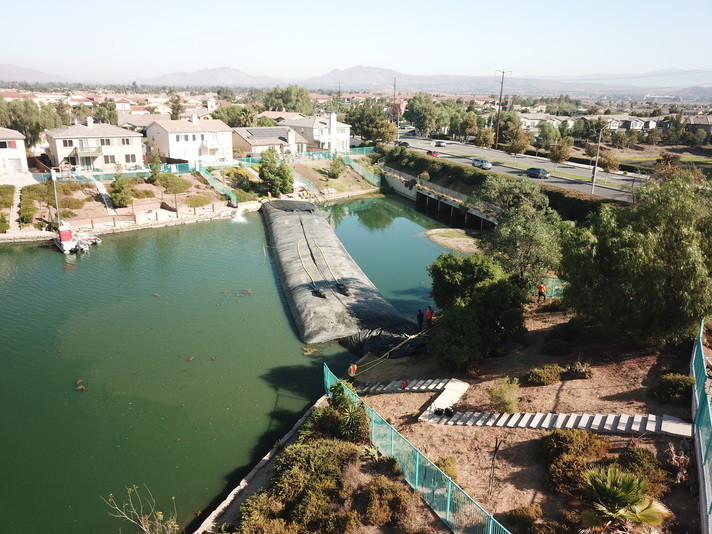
{"x": 433, "y": 153}
{"x": 404, "y": 144}
{"x": 537, "y": 172}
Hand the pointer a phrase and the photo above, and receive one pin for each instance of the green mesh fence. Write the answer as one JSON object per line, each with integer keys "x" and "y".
{"x": 554, "y": 287}
{"x": 703, "y": 424}
{"x": 363, "y": 171}
{"x": 456, "y": 508}
{"x": 216, "y": 184}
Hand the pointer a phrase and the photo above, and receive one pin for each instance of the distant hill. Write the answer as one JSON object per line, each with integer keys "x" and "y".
{"x": 224, "y": 76}
{"x": 13, "y": 73}
{"x": 672, "y": 82}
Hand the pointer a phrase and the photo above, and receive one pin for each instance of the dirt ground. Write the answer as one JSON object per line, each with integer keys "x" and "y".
{"x": 621, "y": 376}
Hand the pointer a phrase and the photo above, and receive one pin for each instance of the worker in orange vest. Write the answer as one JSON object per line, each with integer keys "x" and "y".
{"x": 429, "y": 317}
{"x": 541, "y": 288}
{"x": 352, "y": 371}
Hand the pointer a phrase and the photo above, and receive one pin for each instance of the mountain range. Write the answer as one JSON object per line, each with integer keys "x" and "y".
{"x": 692, "y": 84}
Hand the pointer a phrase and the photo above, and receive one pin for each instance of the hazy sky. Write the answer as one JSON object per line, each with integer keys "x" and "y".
{"x": 129, "y": 40}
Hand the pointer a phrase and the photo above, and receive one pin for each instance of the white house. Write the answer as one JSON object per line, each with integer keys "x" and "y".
{"x": 195, "y": 141}
{"x": 322, "y": 131}
{"x": 13, "y": 157}
{"x": 256, "y": 140}
{"x": 95, "y": 146}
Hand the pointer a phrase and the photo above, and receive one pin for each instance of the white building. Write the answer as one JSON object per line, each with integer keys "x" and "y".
{"x": 322, "y": 131}
{"x": 13, "y": 155}
{"x": 195, "y": 141}
{"x": 95, "y": 146}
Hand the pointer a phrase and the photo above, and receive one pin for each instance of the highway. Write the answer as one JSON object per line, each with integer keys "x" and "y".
{"x": 567, "y": 175}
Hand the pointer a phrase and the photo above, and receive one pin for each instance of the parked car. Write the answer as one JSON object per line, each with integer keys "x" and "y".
{"x": 404, "y": 144}
{"x": 481, "y": 163}
{"x": 537, "y": 172}
{"x": 440, "y": 143}
{"x": 433, "y": 153}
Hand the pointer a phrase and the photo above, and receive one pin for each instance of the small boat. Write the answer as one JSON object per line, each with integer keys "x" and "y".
{"x": 67, "y": 241}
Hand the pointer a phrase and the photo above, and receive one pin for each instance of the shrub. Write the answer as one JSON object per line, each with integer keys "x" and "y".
{"x": 4, "y": 223}
{"x": 27, "y": 212}
{"x": 504, "y": 396}
{"x": 543, "y": 376}
{"x": 7, "y": 194}
{"x": 581, "y": 443}
{"x": 71, "y": 203}
{"x": 673, "y": 387}
{"x": 447, "y": 465}
{"x": 67, "y": 214}
{"x": 643, "y": 463}
{"x": 520, "y": 520}
{"x": 579, "y": 369}
{"x": 556, "y": 347}
{"x": 385, "y": 500}
{"x": 142, "y": 193}
{"x": 565, "y": 474}
{"x": 173, "y": 184}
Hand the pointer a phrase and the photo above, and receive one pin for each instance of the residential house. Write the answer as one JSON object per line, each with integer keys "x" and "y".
{"x": 201, "y": 114}
{"x": 95, "y": 146}
{"x": 280, "y": 115}
{"x": 138, "y": 122}
{"x": 700, "y": 122}
{"x": 13, "y": 156}
{"x": 256, "y": 140}
{"x": 322, "y": 132}
{"x": 196, "y": 141}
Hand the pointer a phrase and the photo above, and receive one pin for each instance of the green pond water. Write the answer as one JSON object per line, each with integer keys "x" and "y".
{"x": 183, "y": 341}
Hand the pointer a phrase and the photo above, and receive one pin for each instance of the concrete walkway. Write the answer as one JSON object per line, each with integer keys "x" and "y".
{"x": 451, "y": 390}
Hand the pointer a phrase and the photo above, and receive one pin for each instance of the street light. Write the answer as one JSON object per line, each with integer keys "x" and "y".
{"x": 595, "y": 165}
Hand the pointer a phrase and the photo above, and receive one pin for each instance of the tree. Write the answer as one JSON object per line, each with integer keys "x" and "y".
{"x": 548, "y": 135}
{"x": 265, "y": 121}
{"x": 455, "y": 277}
{"x": 560, "y": 152}
{"x": 510, "y": 127}
{"x": 236, "y": 116}
{"x": 176, "y": 104}
{"x": 368, "y": 119}
{"x": 518, "y": 143}
{"x": 694, "y": 138}
{"x": 121, "y": 192}
{"x": 617, "y": 501}
{"x": 485, "y": 137}
{"x": 336, "y": 168}
{"x": 653, "y": 137}
{"x": 468, "y": 126}
{"x": 608, "y": 161}
{"x": 526, "y": 238}
{"x": 28, "y": 118}
{"x": 421, "y": 112}
{"x": 275, "y": 173}
{"x": 590, "y": 150}
{"x": 291, "y": 98}
{"x": 675, "y": 129}
{"x": 105, "y": 112}
{"x": 154, "y": 161}
{"x": 645, "y": 270}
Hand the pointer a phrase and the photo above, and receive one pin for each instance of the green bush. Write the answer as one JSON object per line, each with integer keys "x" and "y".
{"x": 4, "y": 223}
{"x": 504, "y": 396}
{"x": 673, "y": 387}
{"x": 643, "y": 463}
{"x": 27, "y": 212}
{"x": 142, "y": 193}
{"x": 71, "y": 203}
{"x": 197, "y": 201}
{"x": 556, "y": 347}
{"x": 67, "y": 214}
{"x": 543, "y": 376}
{"x": 448, "y": 466}
{"x": 520, "y": 520}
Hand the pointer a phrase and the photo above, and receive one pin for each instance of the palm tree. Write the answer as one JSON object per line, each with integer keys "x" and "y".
{"x": 618, "y": 503}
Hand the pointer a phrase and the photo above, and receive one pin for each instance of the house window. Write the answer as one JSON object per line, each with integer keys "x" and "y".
{"x": 202, "y": 137}
{"x": 185, "y": 137}
{"x": 105, "y": 142}
{"x": 67, "y": 143}
{"x": 177, "y": 138}
{"x": 193, "y": 137}
{"x": 8, "y": 144}
{"x": 130, "y": 158}
{"x": 125, "y": 141}
{"x": 109, "y": 159}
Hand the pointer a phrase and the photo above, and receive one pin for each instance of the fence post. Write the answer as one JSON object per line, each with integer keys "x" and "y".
{"x": 449, "y": 492}
{"x": 393, "y": 436}
{"x": 373, "y": 427}
{"x": 417, "y": 469}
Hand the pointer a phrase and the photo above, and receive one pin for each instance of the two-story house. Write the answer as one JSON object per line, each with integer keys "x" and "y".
{"x": 256, "y": 140}
{"x": 322, "y": 132}
{"x": 194, "y": 141}
{"x": 95, "y": 146}
{"x": 13, "y": 156}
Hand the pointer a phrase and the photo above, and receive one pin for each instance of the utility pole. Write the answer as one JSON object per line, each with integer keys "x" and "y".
{"x": 499, "y": 109}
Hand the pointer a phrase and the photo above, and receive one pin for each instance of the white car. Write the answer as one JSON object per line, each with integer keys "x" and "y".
{"x": 481, "y": 163}
{"x": 440, "y": 143}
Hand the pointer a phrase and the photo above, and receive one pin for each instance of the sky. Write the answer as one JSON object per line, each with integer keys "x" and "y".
{"x": 133, "y": 40}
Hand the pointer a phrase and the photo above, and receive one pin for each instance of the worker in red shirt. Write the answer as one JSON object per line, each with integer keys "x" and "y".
{"x": 541, "y": 288}
{"x": 429, "y": 317}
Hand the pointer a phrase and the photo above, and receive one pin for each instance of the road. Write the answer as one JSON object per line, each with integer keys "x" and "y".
{"x": 506, "y": 164}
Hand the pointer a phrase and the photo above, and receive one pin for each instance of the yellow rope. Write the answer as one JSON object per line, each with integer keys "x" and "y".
{"x": 326, "y": 261}
{"x": 385, "y": 356}
{"x": 302, "y": 260}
